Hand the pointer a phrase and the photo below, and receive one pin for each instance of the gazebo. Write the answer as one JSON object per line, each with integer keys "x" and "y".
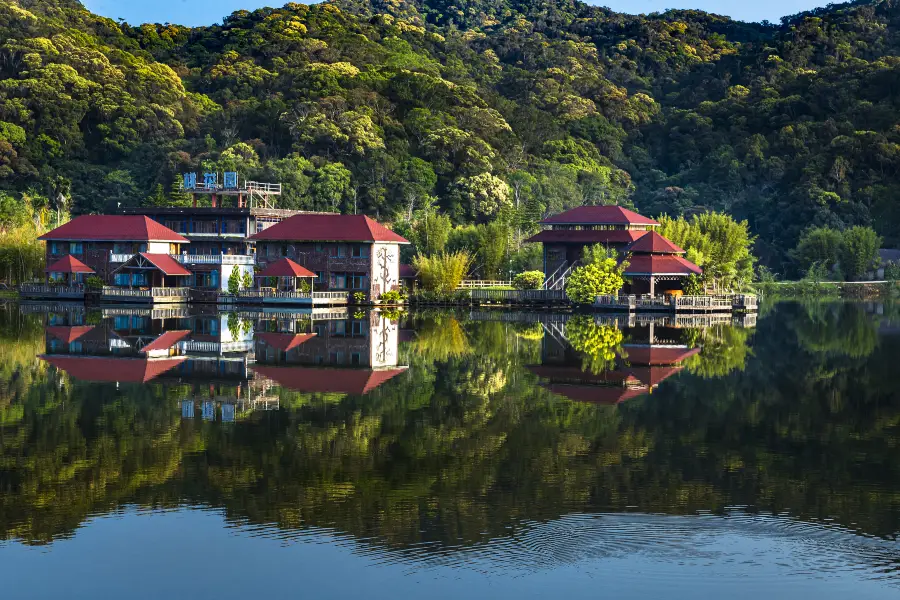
{"x": 287, "y": 272}
{"x": 654, "y": 259}
{"x": 70, "y": 268}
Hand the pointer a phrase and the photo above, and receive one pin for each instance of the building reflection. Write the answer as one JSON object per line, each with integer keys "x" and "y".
{"x": 226, "y": 365}
{"x": 648, "y": 350}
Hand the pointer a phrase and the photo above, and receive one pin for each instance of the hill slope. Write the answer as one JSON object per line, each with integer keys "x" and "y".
{"x": 478, "y": 105}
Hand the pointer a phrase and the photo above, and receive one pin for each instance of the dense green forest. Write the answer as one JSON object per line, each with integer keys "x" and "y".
{"x": 486, "y": 110}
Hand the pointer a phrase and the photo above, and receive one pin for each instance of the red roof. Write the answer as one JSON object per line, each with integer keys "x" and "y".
{"x": 166, "y": 341}
{"x": 329, "y": 228}
{"x": 653, "y": 243}
{"x": 69, "y": 264}
{"x": 103, "y": 369}
{"x": 165, "y": 263}
{"x": 328, "y": 380}
{"x": 653, "y": 376}
{"x": 68, "y": 334}
{"x": 658, "y": 355}
{"x": 285, "y": 267}
{"x": 572, "y": 374}
{"x": 284, "y": 341}
{"x": 119, "y": 228}
{"x": 598, "y": 215}
{"x": 408, "y": 272}
{"x": 661, "y": 264}
{"x": 587, "y": 236}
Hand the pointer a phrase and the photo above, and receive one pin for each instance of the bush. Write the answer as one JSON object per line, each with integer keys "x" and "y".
{"x": 693, "y": 285}
{"x": 93, "y": 282}
{"x": 442, "y": 273}
{"x": 892, "y": 271}
{"x": 234, "y": 280}
{"x": 304, "y": 286}
{"x": 359, "y": 297}
{"x": 391, "y": 297}
{"x": 529, "y": 280}
{"x": 594, "y": 279}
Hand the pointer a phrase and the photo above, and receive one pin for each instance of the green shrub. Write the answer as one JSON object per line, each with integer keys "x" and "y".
{"x": 529, "y": 280}
{"x": 594, "y": 279}
{"x": 359, "y": 297}
{"x": 892, "y": 271}
{"x": 234, "y": 280}
{"x": 304, "y": 286}
{"x": 444, "y": 272}
{"x": 391, "y": 297}
{"x": 93, "y": 282}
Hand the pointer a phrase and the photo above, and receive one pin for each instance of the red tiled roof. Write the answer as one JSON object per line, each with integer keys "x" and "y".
{"x": 120, "y": 228}
{"x": 653, "y": 243}
{"x": 166, "y": 264}
{"x": 587, "y": 236}
{"x": 661, "y": 264}
{"x": 571, "y": 374}
{"x": 284, "y": 341}
{"x": 285, "y": 267}
{"x": 408, "y": 272}
{"x": 68, "y": 334}
{"x": 69, "y": 264}
{"x": 658, "y": 355}
{"x": 104, "y": 369}
{"x": 599, "y": 215}
{"x": 166, "y": 341}
{"x": 597, "y": 394}
{"x": 328, "y": 380}
{"x": 329, "y": 228}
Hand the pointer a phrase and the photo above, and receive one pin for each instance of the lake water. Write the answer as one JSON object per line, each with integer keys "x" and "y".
{"x": 165, "y": 453}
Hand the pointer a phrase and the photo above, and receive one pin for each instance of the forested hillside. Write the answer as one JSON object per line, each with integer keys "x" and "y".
{"x": 486, "y": 109}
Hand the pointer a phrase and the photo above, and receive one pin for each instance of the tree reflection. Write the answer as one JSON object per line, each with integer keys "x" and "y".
{"x": 466, "y": 444}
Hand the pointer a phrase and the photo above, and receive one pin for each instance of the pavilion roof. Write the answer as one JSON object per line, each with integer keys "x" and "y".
{"x": 109, "y": 369}
{"x": 327, "y": 380}
{"x": 284, "y": 341}
{"x": 285, "y": 267}
{"x": 166, "y": 341}
{"x": 660, "y": 264}
{"x": 69, "y": 264}
{"x": 653, "y": 243}
{"x": 587, "y": 236}
{"x": 163, "y": 262}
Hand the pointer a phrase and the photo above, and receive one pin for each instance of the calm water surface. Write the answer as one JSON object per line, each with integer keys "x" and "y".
{"x": 169, "y": 453}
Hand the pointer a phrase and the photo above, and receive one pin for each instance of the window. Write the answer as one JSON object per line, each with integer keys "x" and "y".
{"x": 122, "y": 279}
{"x": 360, "y": 329}
{"x": 139, "y": 279}
{"x": 76, "y": 248}
{"x": 54, "y": 249}
{"x": 320, "y": 278}
{"x": 320, "y": 247}
{"x": 359, "y": 281}
{"x": 338, "y": 281}
{"x": 142, "y": 247}
{"x": 356, "y": 359}
{"x": 338, "y": 250}
{"x": 336, "y": 358}
{"x": 361, "y": 251}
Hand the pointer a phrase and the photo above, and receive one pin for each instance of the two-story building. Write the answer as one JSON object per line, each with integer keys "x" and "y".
{"x": 351, "y": 253}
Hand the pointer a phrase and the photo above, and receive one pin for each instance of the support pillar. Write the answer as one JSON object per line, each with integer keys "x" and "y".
{"x": 214, "y": 201}
{"x": 652, "y": 286}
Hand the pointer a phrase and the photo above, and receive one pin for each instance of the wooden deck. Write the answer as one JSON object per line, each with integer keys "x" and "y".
{"x": 51, "y": 292}
{"x": 509, "y": 297}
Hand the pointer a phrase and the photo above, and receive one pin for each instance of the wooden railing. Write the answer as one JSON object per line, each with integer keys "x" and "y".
{"x": 518, "y": 295}
{"x": 271, "y": 293}
{"x": 156, "y": 292}
{"x": 115, "y": 257}
{"x": 45, "y": 290}
{"x": 475, "y": 284}
{"x": 631, "y": 302}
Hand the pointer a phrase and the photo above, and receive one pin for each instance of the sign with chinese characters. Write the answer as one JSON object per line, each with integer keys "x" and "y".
{"x": 211, "y": 180}
{"x": 231, "y": 180}
{"x": 190, "y": 181}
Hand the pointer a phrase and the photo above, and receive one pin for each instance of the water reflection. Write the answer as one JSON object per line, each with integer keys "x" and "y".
{"x": 444, "y": 434}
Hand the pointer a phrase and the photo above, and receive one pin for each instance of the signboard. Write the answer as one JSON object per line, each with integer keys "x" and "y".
{"x": 231, "y": 180}
{"x": 211, "y": 180}
{"x": 190, "y": 181}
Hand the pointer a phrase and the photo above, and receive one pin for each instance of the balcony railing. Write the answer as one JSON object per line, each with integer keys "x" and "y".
{"x": 214, "y": 259}
{"x": 298, "y": 295}
{"x": 155, "y": 292}
{"x": 116, "y": 257}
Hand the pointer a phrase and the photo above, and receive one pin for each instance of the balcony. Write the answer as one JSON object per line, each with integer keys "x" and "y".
{"x": 39, "y": 290}
{"x": 153, "y": 295}
{"x": 119, "y": 258}
{"x": 214, "y": 259}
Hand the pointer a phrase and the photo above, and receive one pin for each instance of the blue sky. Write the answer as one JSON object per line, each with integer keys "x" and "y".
{"x": 205, "y": 12}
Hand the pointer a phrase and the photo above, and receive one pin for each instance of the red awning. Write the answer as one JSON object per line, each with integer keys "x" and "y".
{"x": 166, "y": 264}
{"x": 107, "y": 369}
{"x": 285, "y": 267}
{"x": 166, "y": 341}
{"x": 328, "y": 380}
{"x": 284, "y": 341}
{"x": 69, "y": 264}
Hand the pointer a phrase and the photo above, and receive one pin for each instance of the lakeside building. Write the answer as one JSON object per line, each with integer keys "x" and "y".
{"x": 351, "y": 253}
{"x": 653, "y": 259}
